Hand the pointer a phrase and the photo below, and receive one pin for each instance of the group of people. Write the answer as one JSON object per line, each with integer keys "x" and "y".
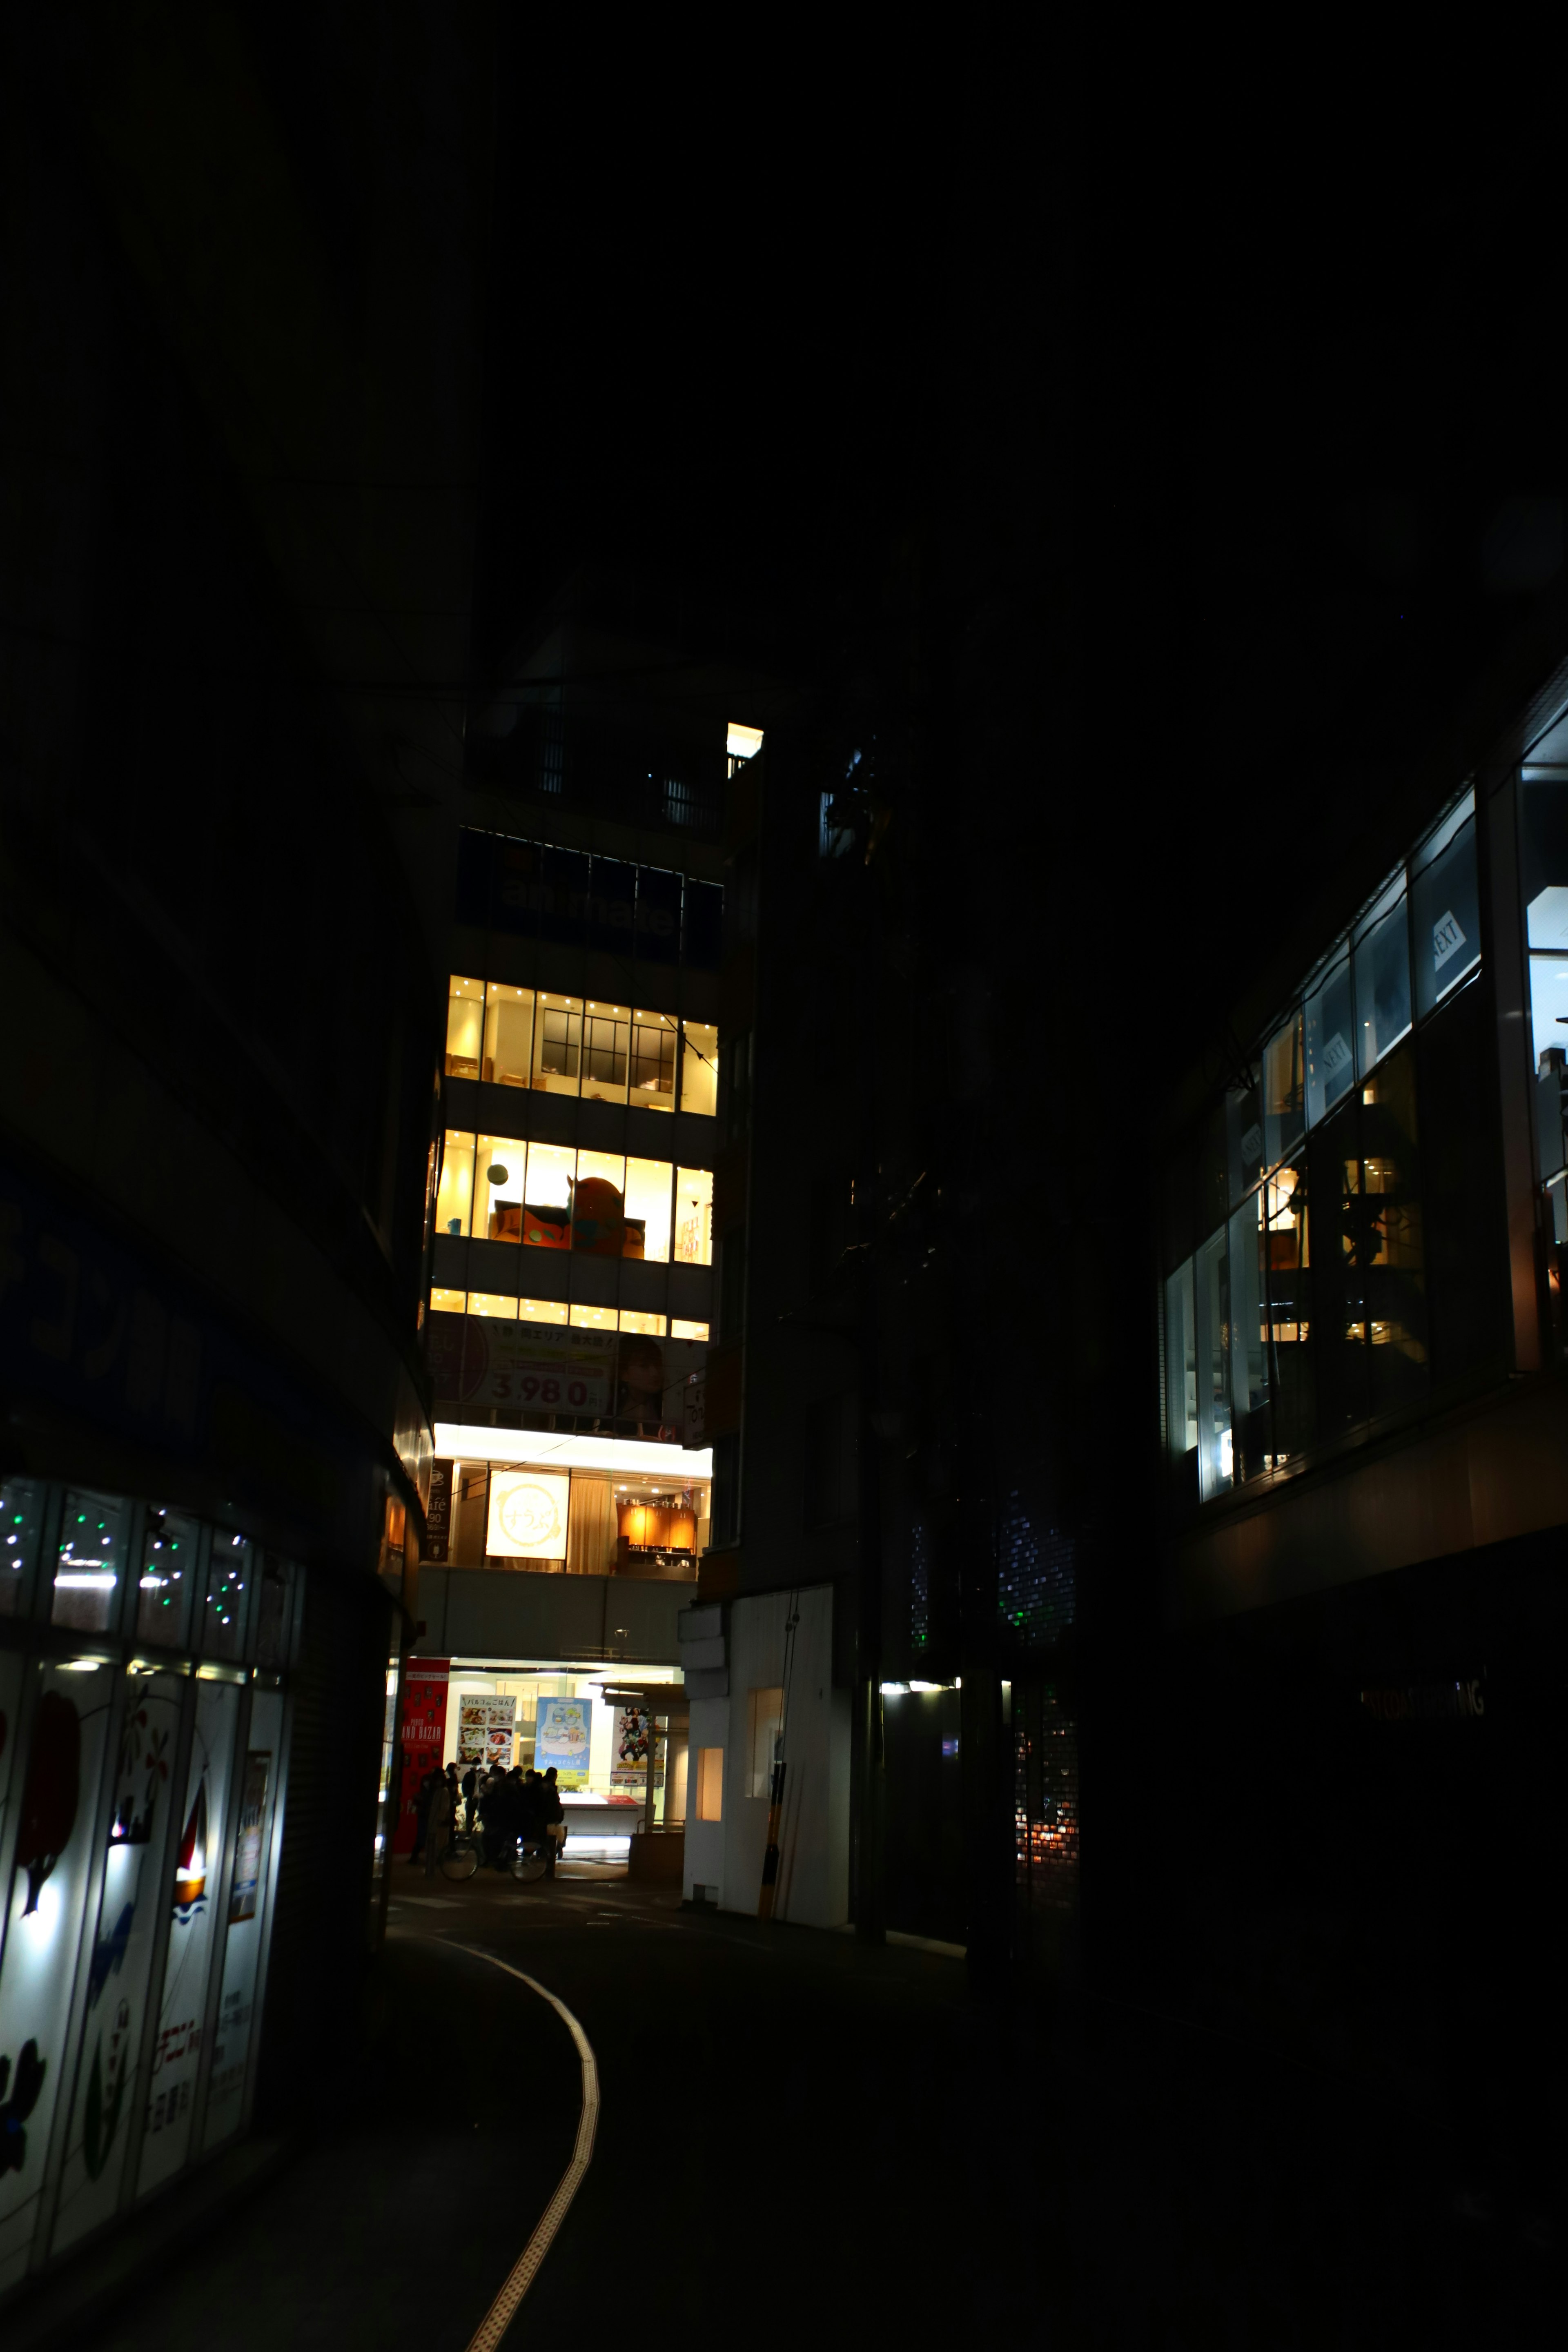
{"x": 511, "y": 1805}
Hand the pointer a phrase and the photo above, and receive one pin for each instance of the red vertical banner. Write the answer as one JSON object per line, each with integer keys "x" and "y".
{"x": 424, "y": 1684}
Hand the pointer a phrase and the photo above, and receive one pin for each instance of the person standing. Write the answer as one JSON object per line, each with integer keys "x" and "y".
{"x": 422, "y": 1811}
{"x": 442, "y": 1817}
{"x": 552, "y": 1819}
{"x": 470, "y": 1782}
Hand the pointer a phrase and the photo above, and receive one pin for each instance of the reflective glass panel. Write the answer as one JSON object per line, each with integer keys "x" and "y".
{"x": 230, "y": 1594}
{"x": 1244, "y": 1140}
{"x": 497, "y": 1304}
{"x": 1340, "y": 1256}
{"x": 1284, "y": 1091}
{"x": 1180, "y": 1365}
{"x": 547, "y": 1211}
{"x": 253, "y": 1823}
{"x": 21, "y": 1525}
{"x": 92, "y": 1555}
{"x": 1212, "y": 1317}
{"x": 1383, "y": 981}
{"x": 454, "y": 1195}
{"x": 465, "y": 1028}
{"x": 1292, "y": 1401}
{"x": 1331, "y": 1058}
{"x": 1445, "y": 919}
{"x": 508, "y": 1035}
{"x": 166, "y": 1585}
{"x": 699, "y": 1066}
{"x": 1248, "y": 1337}
{"x": 1395, "y": 1257}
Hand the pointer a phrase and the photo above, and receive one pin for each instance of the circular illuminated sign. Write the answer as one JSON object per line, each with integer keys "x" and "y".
{"x": 532, "y": 1518}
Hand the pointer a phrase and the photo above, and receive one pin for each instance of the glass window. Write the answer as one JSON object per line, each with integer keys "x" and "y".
{"x": 606, "y": 1049}
{"x": 541, "y": 1310}
{"x": 547, "y": 1211}
{"x": 465, "y": 1027}
{"x": 1212, "y": 1318}
{"x": 652, "y": 1325}
{"x": 273, "y": 1597}
{"x": 1284, "y": 1078}
{"x": 557, "y": 1044}
{"x": 693, "y": 1216}
{"x": 653, "y": 1061}
{"x": 168, "y": 1577}
{"x": 699, "y": 1066}
{"x": 1445, "y": 913}
{"x": 593, "y": 1318}
{"x": 598, "y": 1205}
{"x": 21, "y": 1524}
{"x": 1330, "y": 1060}
{"x": 1395, "y": 1258}
{"x": 508, "y": 1035}
{"x": 499, "y": 1170}
{"x": 87, "y": 1573}
{"x": 1180, "y": 1365}
{"x": 1243, "y": 1141}
{"x": 1550, "y": 1088}
{"x": 1248, "y": 1338}
{"x": 1293, "y": 1403}
{"x": 455, "y": 1198}
{"x": 447, "y": 1302}
{"x": 659, "y": 915}
{"x": 1339, "y": 1275}
{"x": 679, "y": 1331}
{"x": 648, "y": 1209}
{"x": 1382, "y": 978}
{"x": 230, "y": 1592}
{"x": 497, "y": 1304}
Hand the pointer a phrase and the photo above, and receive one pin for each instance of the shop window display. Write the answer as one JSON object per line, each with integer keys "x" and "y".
{"x": 1445, "y": 908}
{"x": 694, "y": 1216}
{"x": 166, "y": 1586}
{"x": 21, "y": 1532}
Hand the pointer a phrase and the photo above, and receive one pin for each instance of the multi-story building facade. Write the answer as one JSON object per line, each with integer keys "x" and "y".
{"x": 570, "y": 1303}
{"x": 1366, "y": 1426}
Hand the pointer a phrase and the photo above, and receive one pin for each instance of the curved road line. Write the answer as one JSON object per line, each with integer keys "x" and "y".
{"x": 498, "y": 2317}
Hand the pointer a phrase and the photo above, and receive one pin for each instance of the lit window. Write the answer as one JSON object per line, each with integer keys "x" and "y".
{"x": 699, "y": 1068}
{"x": 541, "y": 1310}
{"x": 679, "y": 1331}
{"x": 493, "y": 1303}
{"x": 652, "y": 1325}
{"x": 653, "y": 1061}
{"x": 606, "y": 1043}
{"x": 741, "y": 743}
{"x": 454, "y": 1200}
{"x": 447, "y": 1302}
{"x": 498, "y": 1169}
{"x": 694, "y": 1216}
{"x": 598, "y": 1205}
{"x": 465, "y": 1025}
{"x": 593, "y": 1318}
{"x": 557, "y": 1044}
{"x": 508, "y": 1035}
{"x": 648, "y": 1209}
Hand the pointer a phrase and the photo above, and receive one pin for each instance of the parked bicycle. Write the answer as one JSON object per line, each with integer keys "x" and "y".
{"x": 465, "y": 1852}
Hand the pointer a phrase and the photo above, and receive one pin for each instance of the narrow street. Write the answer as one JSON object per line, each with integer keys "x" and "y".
{"x": 1152, "y": 2189}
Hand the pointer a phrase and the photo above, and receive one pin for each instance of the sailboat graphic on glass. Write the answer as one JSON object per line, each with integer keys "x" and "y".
{"x": 190, "y": 1872}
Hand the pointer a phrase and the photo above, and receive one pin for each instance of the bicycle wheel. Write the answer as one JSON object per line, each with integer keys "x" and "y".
{"x": 528, "y": 1864}
{"x": 462, "y": 1858}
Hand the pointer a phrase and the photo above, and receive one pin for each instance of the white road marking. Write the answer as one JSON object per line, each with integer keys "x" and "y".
{"x": 498, "y": 2317}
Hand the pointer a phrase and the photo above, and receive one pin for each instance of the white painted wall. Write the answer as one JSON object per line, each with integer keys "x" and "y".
{"x": 813, "y": 1845}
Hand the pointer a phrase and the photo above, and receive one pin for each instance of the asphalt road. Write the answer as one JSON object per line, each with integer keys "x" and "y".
{"x": 805, "y": 2142}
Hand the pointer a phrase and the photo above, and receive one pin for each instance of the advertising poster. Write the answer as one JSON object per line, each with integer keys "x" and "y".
{"x": 475, "y": 1360}
{"x": 485, "y": 1728}
{"x": 243, "y": 1899}
{"x": 628, "y": 1752}
{"x": 424, "y": 1737}
{"x": 527, "y": 1515}
{"x": 565, "y": 1728}
{"x": 438, "y": 1516}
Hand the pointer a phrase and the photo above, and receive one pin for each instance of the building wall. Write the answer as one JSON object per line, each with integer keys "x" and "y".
{"x": 813, "y": 1842}
{"x": 502, "y": 1613}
